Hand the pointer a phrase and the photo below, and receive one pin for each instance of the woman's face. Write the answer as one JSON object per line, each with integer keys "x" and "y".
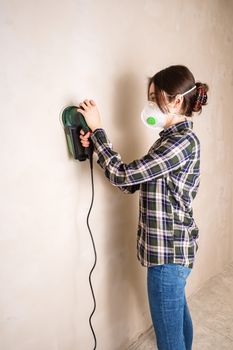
{"x": 173, "y": 107}
{"x": 152, "y": 92}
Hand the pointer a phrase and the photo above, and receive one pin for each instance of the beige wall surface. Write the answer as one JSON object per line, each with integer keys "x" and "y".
{"x": 54, "y": 53}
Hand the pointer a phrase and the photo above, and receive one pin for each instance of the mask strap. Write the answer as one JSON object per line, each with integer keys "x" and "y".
{"x": 194, "y": 87}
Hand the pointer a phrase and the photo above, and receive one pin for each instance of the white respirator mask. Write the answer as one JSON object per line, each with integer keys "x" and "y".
{"x": 153, "y": 117}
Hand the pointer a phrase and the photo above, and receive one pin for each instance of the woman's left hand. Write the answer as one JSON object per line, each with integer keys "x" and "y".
{"x": 90, "y": 113}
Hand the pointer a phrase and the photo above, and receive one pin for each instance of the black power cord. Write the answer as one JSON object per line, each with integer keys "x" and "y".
{"x": 93, "y": 243}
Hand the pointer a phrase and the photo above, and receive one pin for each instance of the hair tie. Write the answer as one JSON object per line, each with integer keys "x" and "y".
{"x": 201, "y": 95}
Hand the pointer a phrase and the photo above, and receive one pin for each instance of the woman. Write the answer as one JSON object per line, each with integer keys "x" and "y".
{"x": 168, "y": 178}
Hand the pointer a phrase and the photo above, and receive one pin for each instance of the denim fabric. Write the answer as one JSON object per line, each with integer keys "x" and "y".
{"x": 168, "y": 306}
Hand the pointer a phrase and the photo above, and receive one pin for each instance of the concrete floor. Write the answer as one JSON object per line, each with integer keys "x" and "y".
{"x": 212, "y": 314}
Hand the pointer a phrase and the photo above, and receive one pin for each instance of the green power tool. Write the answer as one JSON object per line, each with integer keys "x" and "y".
{"x": 73, "y": 122}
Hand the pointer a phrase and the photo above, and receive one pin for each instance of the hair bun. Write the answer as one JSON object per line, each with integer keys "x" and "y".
{"x": 201, "y": 97}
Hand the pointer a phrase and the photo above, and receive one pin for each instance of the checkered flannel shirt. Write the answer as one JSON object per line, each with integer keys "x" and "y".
{"x": 168, "y": 178}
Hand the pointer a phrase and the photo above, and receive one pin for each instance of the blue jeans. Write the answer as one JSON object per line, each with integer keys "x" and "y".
{"x": 168, "y": 306}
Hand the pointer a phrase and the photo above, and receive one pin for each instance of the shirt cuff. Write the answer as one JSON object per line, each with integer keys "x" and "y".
{"x": 99, "y": 135}
{"x": 103, "y": 147}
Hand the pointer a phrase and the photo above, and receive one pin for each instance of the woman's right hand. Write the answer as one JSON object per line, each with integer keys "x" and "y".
{"x": 84, "y": 138}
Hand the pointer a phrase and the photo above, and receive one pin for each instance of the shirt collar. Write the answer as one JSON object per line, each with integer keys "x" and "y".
{"x": 178, "y": 127}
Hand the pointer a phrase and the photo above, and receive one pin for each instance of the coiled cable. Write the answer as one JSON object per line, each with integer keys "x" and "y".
{"x": 95, "y": 255}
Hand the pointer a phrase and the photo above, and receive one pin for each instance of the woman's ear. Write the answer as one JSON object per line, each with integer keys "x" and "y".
{"x": 178, "y": 101}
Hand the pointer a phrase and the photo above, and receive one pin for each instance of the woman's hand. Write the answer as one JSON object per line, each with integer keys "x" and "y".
{"x": 91, "y": 114}
{"x": 84, "y": 138}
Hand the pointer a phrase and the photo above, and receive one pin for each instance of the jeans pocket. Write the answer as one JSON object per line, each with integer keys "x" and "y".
{"x": 184, "y": 271}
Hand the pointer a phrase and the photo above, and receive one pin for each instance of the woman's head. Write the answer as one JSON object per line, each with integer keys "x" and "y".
{"x": 168, "y": 87}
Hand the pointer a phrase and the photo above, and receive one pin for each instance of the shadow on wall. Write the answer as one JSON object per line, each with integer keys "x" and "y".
{"x": 126, "y": 283}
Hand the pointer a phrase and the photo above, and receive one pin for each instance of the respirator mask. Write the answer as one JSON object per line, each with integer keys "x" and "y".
{"x": 153, "y": 117}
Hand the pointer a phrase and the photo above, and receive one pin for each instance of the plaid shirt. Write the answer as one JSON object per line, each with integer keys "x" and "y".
{"x": 168, "y": 178}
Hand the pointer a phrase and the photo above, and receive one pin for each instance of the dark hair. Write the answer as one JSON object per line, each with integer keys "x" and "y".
{"x": 176, "y": 80}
